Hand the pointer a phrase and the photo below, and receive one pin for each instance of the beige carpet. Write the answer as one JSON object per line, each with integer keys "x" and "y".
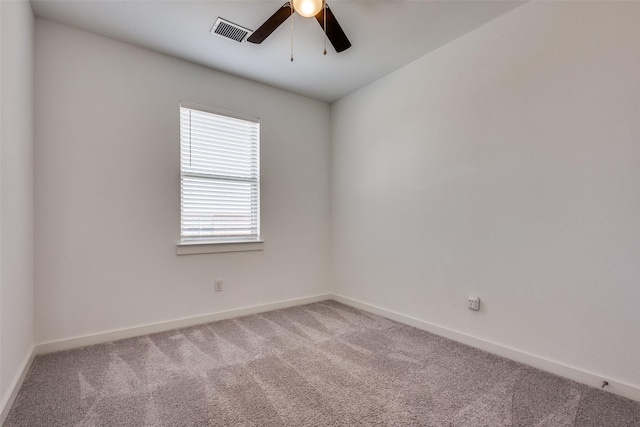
{"x": 323, "y": 364}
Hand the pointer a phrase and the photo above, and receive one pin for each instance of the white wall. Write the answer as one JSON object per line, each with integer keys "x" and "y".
{"x": 16, "y": 191}
{"x": 507, "y": 165}
{"x": 107, "y": 189}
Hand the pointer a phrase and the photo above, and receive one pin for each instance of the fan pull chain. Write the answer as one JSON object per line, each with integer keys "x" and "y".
{"x": 291, "y": 19}
{"x": 324, "y": 9}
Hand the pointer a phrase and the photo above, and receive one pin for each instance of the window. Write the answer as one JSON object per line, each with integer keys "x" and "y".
{"x": 220, "y": 177}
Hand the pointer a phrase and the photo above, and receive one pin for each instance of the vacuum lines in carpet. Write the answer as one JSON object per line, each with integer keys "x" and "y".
{"x": 322, "y": 364}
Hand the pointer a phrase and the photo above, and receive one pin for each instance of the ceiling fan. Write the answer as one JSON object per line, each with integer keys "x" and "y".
{"x": 307, "y": 8}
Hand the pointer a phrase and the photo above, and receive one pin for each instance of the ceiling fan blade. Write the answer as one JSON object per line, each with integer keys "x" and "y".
{"x": 336, "y": 36}
{"x": 271, "y": 24}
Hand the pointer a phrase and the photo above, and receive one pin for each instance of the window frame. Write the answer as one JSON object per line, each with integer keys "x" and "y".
{"x": 210, "y": 244}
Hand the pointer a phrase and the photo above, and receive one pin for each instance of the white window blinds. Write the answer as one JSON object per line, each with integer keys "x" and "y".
{"x": 220, "y": 176}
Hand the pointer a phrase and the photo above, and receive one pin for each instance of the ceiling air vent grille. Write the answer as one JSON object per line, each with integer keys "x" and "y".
{"x": 229, "y": 30}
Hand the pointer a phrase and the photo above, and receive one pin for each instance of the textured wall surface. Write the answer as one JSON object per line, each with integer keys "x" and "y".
{"x": 505, "y": 165}
{"x": 16, "y": 190}
{"x": 108, "y": 189}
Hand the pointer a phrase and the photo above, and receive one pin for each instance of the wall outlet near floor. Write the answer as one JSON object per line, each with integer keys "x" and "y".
{"x": 218, "y": 285}
{"x": 473, "y": 303}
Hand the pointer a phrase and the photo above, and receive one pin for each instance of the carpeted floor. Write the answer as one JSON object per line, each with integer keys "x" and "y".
{"x": 323, "y": 364}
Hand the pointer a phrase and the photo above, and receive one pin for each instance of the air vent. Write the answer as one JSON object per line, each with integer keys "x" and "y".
{"x": 229, "y": 30}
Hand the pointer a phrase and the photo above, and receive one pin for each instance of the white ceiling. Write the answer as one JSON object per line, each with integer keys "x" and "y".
{"x": 385, "y": 35}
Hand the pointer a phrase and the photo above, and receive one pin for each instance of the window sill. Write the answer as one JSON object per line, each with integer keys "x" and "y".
{"x": 193, "y": 248}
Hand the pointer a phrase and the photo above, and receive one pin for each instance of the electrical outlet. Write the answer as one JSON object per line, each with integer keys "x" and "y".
{"x": 473, "y": 303}
{"x": 218, "y": 285}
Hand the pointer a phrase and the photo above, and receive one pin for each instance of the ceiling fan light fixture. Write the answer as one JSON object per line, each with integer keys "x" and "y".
{"x": 308, "y": 8}
{"x": 326, "y": 19}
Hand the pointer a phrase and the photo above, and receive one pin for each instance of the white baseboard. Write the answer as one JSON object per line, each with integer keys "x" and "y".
{"x": 14, "y": 388}
{"x": 617, "y": 387}
{"x": 103, "y": 337}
